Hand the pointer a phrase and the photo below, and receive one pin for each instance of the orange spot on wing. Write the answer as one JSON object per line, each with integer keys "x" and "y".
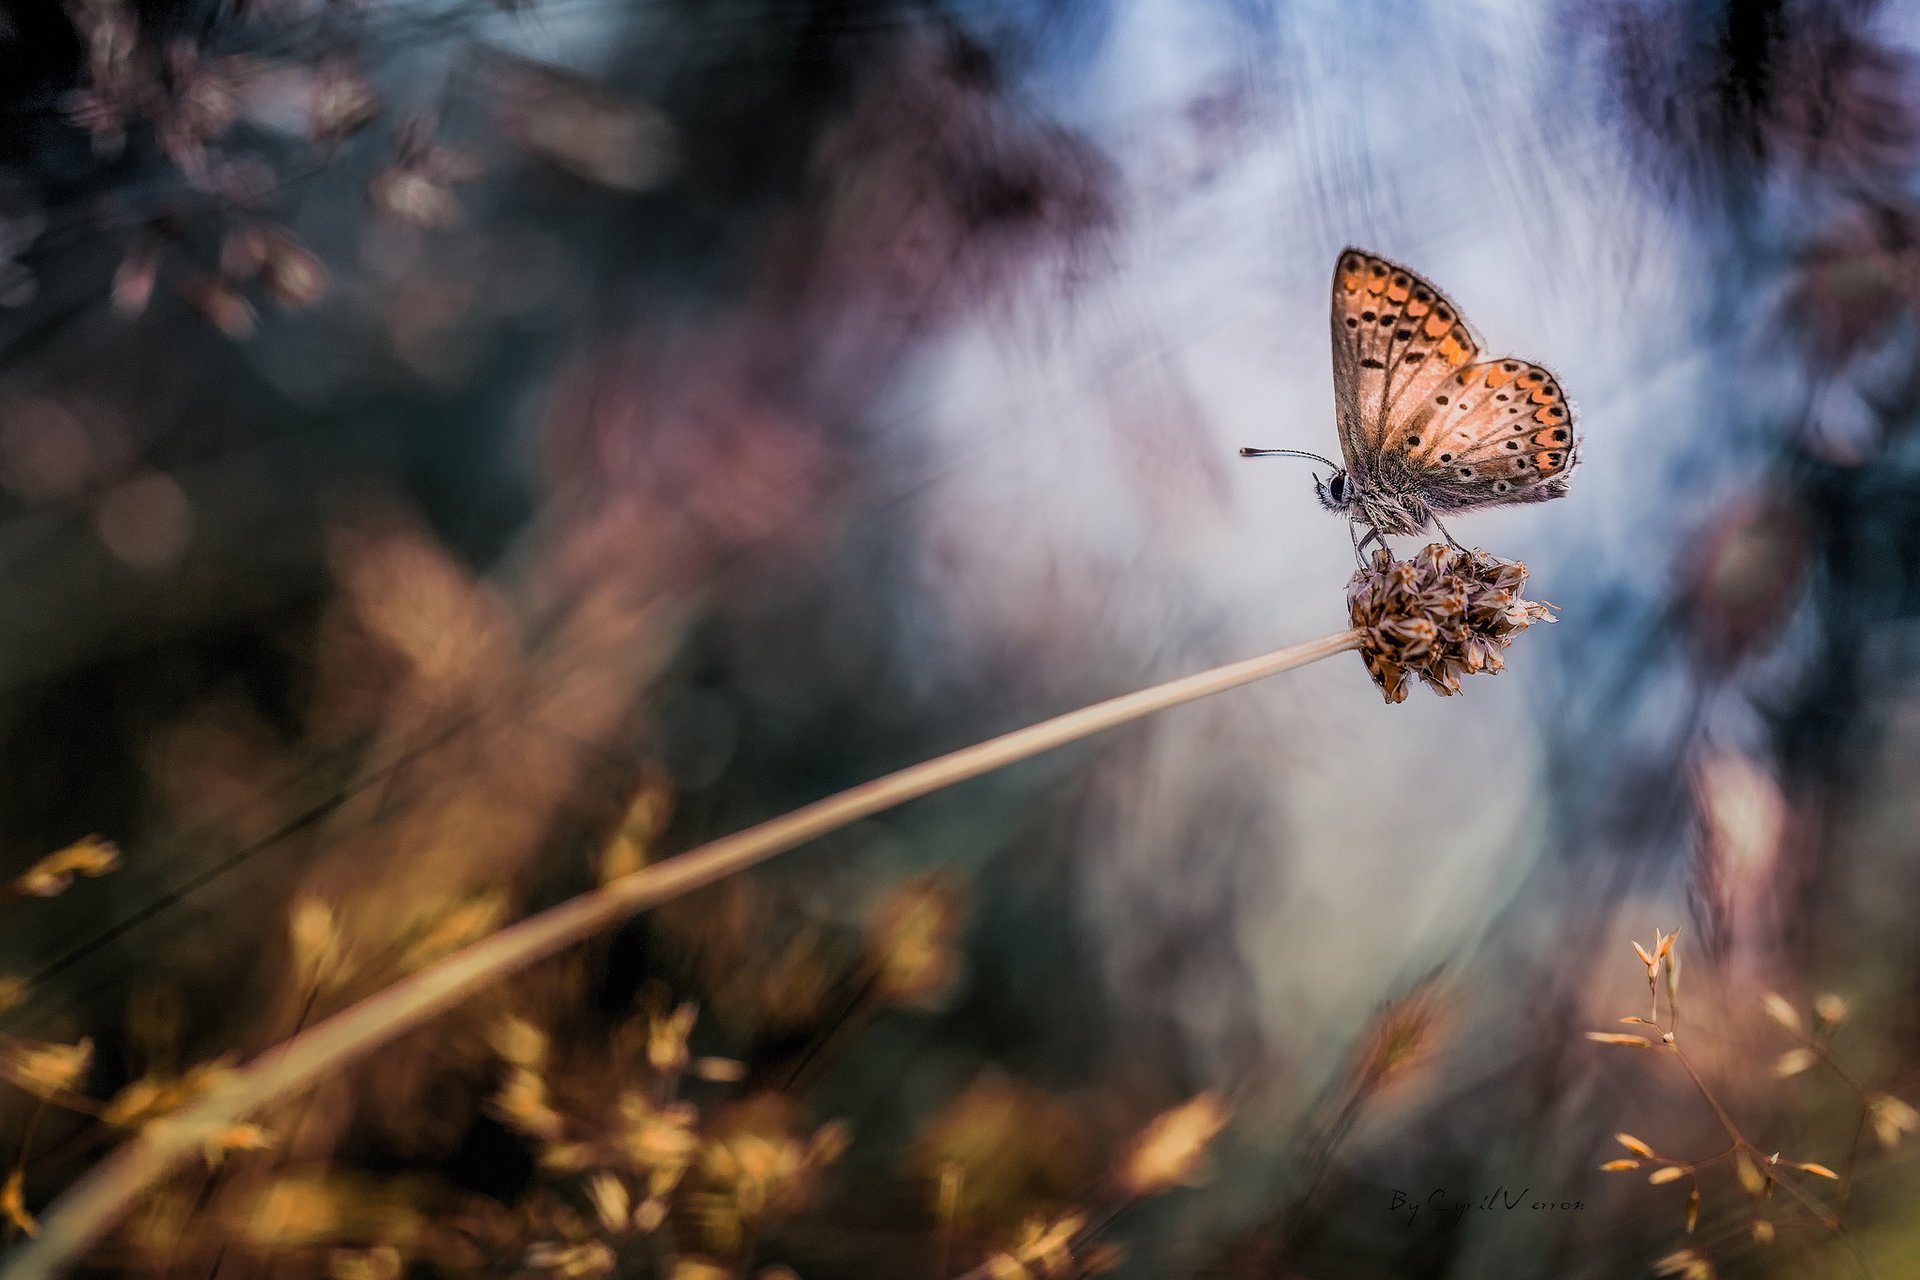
{"x": 1417, "y": 308}
{"x": 1397, "y": 293}
{"x": 1452, "y": 352}
{"x": 1436, "y": 327}
{"x": 1552, "y": 437}
{"x": 1544, "y": 396}
{"x": 1498, "y": 377}
{"x": 1377, "y": 285}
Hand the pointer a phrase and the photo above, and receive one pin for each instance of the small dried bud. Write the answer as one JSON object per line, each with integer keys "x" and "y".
{"x": 1751, "y": 1179}
{"x": 91, "y": 857}
{"x": 1829, "y": 1008}
{"x": 1781, "y": 1011}
{"x": 612, "y": 1203}
{"x": 1671, "y": 1173}
{"x": 910, "y": 944}
{"x": 520, "y": 1044}
{"x": 1634, "y": 1145}
{"x": 1618, "y": 1166}
{"x": 1817, "y": 1170}
{"x": 667, "y": 1039}
{"x": 13, "y": 1203}
{"x": 1675, "y": 1263}
{"x": 314, "y": 936}
{"x": 1793, "y": 1062}
{"x": 1614, "y": 1037}
{"x": 1693, "y": 1209}
{"x": 1167, "y": 1152}
{"x": 719, "y": 1070}
{"x": 45, "y": 1070}
{"x": 1891, "y": 1118}
{"x": 1762, "y": 1231}
{"x": 1438, "y": 616}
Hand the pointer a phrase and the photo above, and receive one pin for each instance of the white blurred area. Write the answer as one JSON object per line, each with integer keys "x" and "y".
{"x": 1089, "y": 507}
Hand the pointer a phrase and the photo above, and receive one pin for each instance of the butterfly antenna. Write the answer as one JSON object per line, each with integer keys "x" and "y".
{"x": 1289, "y": 453}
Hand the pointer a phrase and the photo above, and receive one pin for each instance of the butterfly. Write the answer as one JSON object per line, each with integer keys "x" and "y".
{"x": 1426, "y": 426}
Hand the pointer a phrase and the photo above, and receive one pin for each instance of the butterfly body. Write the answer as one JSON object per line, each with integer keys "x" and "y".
{"x": 1428, "y": 427}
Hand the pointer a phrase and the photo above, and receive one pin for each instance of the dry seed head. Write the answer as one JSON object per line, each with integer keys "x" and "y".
{"x": 720, "y": 1070}
{"x": 575, "y": 1261}
{"x": 1829, "y": 1008}
{"x": 612, "y": 1203}
{"x": 1671, "y": 1173}
{"x": 90, "y": 857}
{"x": 1168, "y": 1151}
{"x": 667, "y": 1039}
{"x": 234, "y": 1137}
{"x": 314, "y": 936}
{"x": 1751, "y": 1179}
{"x": 1675, "y": 1263}
{"x": 1891, "y": 1118}
{"x": 382, "y": 1262}
{"x": 1817, "y": 1170}
{"x": 1617, "y": 1166}
{"x": 1693, "y": 1208}
{"x": 453, "y": 926}
{"x": 1614, "y": 1037}
{"x": 13, "y": 1203}
{"x": 1762, "y": 1231}
{"x": 1646, "y": 958}
{"x": 1793, "y": 1062}
{"x": 1438, "y": 616}
{"x": 1634, "y": 1145}
{"x": 1665, "y": 946}
{"x": 48, "y": 1069}
{"x": 1781, "y": 1011}
{"x": 911, "y": 942}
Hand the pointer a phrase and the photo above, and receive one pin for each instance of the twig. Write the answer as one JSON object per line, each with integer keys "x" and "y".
{"x": 93, "y": 1204}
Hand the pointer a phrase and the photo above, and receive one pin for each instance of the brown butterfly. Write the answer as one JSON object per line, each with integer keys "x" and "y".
{"x": 1425, "y": 426}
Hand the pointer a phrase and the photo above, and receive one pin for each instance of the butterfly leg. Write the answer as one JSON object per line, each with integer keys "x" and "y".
{"x": 1447, "y": 534}
{"x": 1360, "y": 543}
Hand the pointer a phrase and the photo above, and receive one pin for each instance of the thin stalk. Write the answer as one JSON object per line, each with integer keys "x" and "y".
{"x": 93, "y": 1204}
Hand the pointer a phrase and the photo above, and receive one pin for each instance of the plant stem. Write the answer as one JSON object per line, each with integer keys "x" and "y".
{"x": 93, "y": 1204}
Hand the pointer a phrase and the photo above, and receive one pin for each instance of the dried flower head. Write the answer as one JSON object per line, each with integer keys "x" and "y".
{"x": 1167, "y": 1153}
{"x": 1442, "y": 614}
{"x": 911, "y": 942}
{"x": 90, "y": 857}
{"x": 46, "y": 1070}
{"x": 13, "y": 1204}
{"x": 1891, "y": 1119}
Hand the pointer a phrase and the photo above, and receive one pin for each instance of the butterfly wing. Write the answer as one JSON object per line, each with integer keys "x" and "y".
{"x": 1493, "y": 433}
{"x": 1396, "y": 341}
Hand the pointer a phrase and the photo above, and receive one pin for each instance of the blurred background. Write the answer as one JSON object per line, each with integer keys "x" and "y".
{"x": 454, "y": 452}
